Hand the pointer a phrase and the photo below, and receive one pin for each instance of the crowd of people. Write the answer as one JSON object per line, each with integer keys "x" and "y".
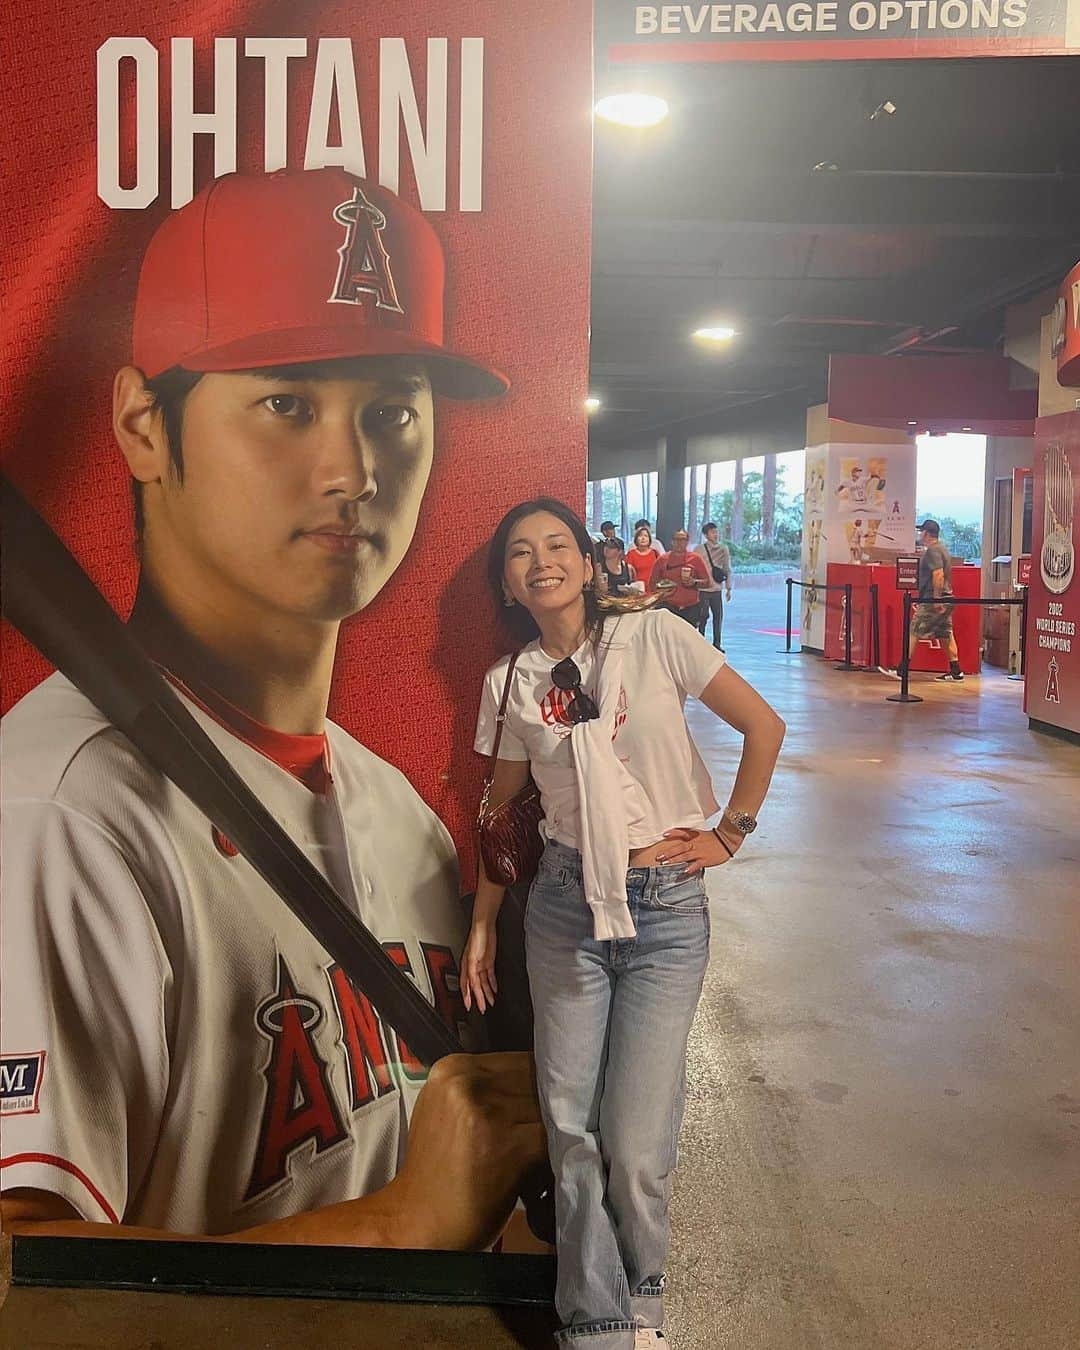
{"x": 694, "y": 582}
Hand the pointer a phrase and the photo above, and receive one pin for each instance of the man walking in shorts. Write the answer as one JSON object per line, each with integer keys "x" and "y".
{"x": 934, "y": 621}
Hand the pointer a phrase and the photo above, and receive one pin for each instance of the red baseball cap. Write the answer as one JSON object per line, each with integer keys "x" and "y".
{"x": 278, "y": 269}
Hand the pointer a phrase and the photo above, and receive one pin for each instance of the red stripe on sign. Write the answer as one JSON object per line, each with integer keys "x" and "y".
{"x": 835, "y": 49}
{"x": 51, "y": 1160}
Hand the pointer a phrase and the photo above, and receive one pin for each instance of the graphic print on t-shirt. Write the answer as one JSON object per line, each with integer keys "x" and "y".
{"x": 555, "y": 702}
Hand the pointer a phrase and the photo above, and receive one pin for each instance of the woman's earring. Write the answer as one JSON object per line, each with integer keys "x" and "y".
{"x": 509, "y": 602}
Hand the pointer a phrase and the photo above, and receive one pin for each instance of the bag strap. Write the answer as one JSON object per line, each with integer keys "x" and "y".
{"x": 500, "y": 716}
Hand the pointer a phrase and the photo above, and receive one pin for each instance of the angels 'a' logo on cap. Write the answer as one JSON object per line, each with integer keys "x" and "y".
{"x": 364, "y": 266}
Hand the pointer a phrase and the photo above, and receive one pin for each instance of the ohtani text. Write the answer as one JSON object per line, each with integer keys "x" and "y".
{"x": 129, "y": 72}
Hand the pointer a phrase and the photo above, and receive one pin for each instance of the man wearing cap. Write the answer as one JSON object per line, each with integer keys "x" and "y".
{"x": 931, "y": 622}
{"x": 180, "y": 1056}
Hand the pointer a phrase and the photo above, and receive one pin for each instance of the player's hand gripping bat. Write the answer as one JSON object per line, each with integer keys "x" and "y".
{"x": 55, "y": 605}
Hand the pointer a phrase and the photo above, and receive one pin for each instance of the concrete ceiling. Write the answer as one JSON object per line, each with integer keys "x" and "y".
{"x": 934, "y": 218}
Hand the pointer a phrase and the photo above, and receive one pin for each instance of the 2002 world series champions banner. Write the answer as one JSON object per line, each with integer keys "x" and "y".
{"x": 296, "y": 307}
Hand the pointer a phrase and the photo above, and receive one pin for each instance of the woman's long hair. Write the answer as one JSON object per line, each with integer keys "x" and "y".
{"x": 517, "y": 618}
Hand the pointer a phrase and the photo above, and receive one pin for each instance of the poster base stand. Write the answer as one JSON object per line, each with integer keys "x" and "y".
{"x": 362, "y": 1273}
{"x": 902, "y": 698}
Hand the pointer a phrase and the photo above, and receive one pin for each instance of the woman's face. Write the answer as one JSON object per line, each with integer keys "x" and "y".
{"x": 642, "y": 540}
{"x": 612, "y": 558}
{"x": 544, "y": 568}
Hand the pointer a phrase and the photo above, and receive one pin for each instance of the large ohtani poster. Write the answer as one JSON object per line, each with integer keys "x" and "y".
{"x": 296, "y": 309}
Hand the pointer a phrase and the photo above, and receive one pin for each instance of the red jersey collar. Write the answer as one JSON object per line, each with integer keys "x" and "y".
{"x": 307, "y": 758}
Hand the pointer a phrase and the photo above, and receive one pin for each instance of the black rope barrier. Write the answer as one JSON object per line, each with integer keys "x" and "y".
{"x": 909, "y": 603}
{"x": 875, "y": 622}
{"x": 790, "y": 582}
{"x": 846, "y": 663}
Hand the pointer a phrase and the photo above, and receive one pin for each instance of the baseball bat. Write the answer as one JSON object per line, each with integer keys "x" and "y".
{"x": 54, "y": 604}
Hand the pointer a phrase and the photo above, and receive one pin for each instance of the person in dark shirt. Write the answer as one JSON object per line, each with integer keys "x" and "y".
{"x": 615, "y": 575}
{"x": 935, "y": 583}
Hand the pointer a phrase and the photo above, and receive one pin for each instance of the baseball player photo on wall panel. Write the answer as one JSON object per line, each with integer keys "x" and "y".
{"x": 298, "y": 306}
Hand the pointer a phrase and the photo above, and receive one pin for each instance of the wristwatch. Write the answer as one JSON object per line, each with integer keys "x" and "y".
{"x": 742, "y": 821}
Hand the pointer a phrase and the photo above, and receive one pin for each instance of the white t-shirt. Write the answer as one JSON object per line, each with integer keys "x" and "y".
{"x": 667, "y": 659}
{"x": 178, "y": 1051}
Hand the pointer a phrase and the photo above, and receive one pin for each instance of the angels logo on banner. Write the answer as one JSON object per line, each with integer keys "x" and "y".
{"x": 305, "y": 349}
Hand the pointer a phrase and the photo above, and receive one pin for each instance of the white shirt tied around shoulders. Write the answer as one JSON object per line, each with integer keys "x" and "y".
{"x": 655, "y": 777}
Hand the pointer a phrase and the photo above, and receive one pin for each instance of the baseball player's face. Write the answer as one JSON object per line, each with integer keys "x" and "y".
{"x": 301, "y": 494}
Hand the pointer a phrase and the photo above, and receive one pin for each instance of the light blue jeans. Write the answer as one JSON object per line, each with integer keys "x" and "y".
{"x": 612, "y": 1020}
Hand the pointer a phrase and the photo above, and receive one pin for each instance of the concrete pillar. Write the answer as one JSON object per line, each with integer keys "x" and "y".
{"x": 671, "y": 485}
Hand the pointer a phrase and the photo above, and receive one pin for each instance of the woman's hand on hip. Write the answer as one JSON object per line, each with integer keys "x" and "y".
{"x": 696, "y": 849}
{"x": 478, "y": 967}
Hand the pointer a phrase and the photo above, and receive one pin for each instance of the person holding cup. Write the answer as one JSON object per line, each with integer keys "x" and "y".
{"x": 682, "y": 575}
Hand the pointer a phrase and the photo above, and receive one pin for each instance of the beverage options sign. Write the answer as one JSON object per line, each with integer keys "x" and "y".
{"x": 842, "y": 30}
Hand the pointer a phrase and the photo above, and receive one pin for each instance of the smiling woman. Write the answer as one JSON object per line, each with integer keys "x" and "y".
{"x": 616, "y": 927}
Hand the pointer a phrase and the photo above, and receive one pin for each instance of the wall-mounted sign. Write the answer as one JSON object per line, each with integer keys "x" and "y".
{"x": 1052, "y": 652}
{"x": 1065, "y": 341}
{"x": 845, "y": 30}
{"x": 907, "y": 572}
{"x": 1023, "y": 570}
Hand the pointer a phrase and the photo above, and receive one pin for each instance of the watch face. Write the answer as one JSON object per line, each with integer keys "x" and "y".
{"x": 743, "y": 821}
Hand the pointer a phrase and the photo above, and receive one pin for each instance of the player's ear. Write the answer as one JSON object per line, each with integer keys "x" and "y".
{"x": 138, "y": 427}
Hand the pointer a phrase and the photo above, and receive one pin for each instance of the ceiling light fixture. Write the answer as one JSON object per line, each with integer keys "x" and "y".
{"x": 593, "y": 404}
{"x": 714, "y": 333}
{"x": 632, "y": 110}
{"x": 825, "y": 166}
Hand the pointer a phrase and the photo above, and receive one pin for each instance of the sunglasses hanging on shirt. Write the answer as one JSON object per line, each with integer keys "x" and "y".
{"x": 567, "y": 677}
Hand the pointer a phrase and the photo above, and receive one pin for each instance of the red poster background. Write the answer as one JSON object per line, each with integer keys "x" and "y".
{"x": 409, "y": 667}
{"x": 1053, "y": 695}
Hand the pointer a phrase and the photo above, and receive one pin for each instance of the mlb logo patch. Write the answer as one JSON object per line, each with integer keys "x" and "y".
{"x": 20, "y": 1083}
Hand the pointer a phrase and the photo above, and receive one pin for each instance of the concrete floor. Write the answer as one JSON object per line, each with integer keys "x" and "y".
{"x": 882, "y": 1140}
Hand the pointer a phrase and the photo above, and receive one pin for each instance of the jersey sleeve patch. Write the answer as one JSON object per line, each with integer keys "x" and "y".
{"x": 20, "y": 1083}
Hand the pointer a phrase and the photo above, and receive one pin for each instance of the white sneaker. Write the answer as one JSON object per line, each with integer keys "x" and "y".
{"x": 648, "y": 1338}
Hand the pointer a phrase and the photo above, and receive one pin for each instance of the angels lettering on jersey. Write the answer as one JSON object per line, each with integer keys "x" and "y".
{"x": 300, "y": 1110}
